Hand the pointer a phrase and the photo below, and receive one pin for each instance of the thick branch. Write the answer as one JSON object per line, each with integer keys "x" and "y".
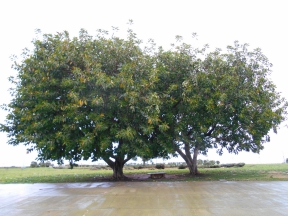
{"x": 109, "y": 162}
{"x": 187, "y": 152}
{"x": 127, "y": 159}
{"x": 179, "y": 151}
{"x": 211, "y": 130}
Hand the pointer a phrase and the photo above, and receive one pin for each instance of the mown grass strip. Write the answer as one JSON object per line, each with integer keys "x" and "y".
{"x": 250, "y": 172}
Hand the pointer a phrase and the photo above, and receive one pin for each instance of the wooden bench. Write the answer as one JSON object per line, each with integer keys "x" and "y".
{"x": 157, "y": 175}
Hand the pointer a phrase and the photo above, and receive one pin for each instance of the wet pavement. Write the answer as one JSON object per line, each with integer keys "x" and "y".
{"x": 145, "y": 198}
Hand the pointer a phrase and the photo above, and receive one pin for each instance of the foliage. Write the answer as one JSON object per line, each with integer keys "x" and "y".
{"x": 233, "y": 165}
{"x": 41, "y": 164}
{"x": 138, "y": 167}
{"x": 84, "y": 97}
{"x": 212, "y": 162}
{"x": 160, "y": 166}
{"x": 33, "y": 164}
{"x": 182, "y": 166}
{"x": 109, "y": 98}
{"x": 207, "y": 163}
{"x": 214, "y": 166}
{"x": 228, "y": 165}
{"x": 199, "y": 162}
{"x": 240, "y": 164}
{"x": 219, "y": 100}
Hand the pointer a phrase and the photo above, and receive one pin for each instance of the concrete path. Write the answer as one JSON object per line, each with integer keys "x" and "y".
{"x": 145, "y": 198}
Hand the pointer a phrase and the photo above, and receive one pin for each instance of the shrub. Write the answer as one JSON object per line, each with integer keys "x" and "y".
{"x": 182, "y": 166}
{"x": 33, "y": 164}
{"x": 233, "y": 165}
{"x": 160, "y": 166}
{"x": 214, "y": 166}
{"x": 206, "y": 162}
{"x": 138, "y": 167}
{"x": 228, "y": 165}
{"x": 240, "y": 164}
{"x": 212, "y": 162}
{"x": 48, "y": 163}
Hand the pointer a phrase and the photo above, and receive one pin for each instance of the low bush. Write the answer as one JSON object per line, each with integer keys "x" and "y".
{"x": 42, "y": 164}
{"x": 160, "y": 166}
{"x": 232, "y": 165}
{"x": 33, "y": 164}
{"x": 228, "y": 165}
{"x": 48, "y": 163}
{"x": 214, "y": 166}
{"x": 240, "y": 164}
{"x": 138, "y": 167}
{"x": 182, "y": 166}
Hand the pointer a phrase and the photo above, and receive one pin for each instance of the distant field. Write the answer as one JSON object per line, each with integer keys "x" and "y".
{"x": 250, "y": 172}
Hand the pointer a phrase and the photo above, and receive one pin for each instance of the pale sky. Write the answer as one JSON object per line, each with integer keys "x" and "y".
{"x": 217, "y": 22}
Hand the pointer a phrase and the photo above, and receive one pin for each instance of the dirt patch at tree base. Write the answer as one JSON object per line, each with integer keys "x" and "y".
{"x": 143, "y": 178}
{"x": 278, "y": 175}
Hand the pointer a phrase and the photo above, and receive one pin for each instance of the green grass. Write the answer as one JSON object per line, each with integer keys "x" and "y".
{"x": 250, "y": 172}
{"x": 49, "y": 175}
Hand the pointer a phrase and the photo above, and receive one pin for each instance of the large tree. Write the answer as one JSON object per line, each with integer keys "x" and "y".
{"x": 221, "y": 100}
{"x": 109, "y": 98}
{"x": 85, "y": 97}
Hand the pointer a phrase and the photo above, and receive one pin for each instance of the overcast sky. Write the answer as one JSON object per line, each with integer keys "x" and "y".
{"x": 217, "y": 22}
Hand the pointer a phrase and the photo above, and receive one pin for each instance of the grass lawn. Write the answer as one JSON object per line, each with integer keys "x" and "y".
{"x": 250, "y": 172}
{"x": 49, "y": 175}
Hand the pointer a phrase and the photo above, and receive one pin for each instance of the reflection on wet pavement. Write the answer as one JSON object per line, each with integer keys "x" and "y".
{"x": 145, "y": 198}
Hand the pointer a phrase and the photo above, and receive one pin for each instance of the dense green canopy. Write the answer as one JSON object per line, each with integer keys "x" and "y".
{"x": 108, "y": 98}
{"x": 221, "y": 100}
{"x": 85, "y": 98}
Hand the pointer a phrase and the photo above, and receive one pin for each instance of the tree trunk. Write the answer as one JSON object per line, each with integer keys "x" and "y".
{"x": 144, "y": 162}
{"x": 192, "y": 165}
{"x": 71, "y": 163}
{"x": 118, "y": 170}
{"x": 117, "y": 167}
{"x": 191, "y": 162}
{"x": 195, "y": 168}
